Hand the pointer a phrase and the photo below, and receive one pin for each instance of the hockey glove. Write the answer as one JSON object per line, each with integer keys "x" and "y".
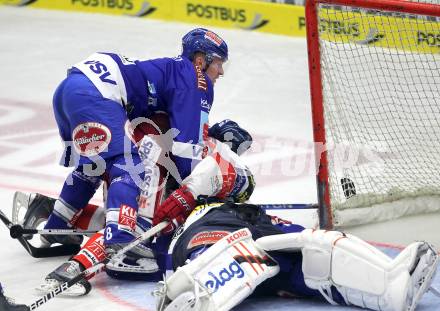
{"x": 232, "y": 134}
{"x": 175, "y": 209}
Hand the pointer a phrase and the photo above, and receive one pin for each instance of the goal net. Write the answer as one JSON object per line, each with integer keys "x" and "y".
{"x": 375, "y": 89}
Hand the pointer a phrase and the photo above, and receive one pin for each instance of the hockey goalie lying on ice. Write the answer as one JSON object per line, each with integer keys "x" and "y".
{"x": 226, "y": 251}
{"x": 286, "y": 258}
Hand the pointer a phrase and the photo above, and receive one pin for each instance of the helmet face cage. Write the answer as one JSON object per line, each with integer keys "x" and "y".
{"x": 204, "y": 41}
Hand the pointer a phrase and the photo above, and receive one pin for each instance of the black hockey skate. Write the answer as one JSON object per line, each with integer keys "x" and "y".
{"x": 6, "y": 304}
{"x": 65, "y": 273}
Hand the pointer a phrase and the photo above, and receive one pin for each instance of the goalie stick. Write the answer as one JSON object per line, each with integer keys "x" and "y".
{"x": 93, "y": 270}
{"x": 17, "y": 231}
{"x": 41, "y": 252}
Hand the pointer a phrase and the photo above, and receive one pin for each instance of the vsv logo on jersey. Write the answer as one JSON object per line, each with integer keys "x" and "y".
{"x": 145, "y": 149}
{"x": 101, "y": 70}
{"x": 127, "y": 218}
{"x": 220, "y": 278}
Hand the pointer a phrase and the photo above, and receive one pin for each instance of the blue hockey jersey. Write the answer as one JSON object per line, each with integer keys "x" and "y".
{"x": 144, "y": 87}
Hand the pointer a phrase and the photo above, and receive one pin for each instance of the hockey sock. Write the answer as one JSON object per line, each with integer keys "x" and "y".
{"x": 93, "y": 252}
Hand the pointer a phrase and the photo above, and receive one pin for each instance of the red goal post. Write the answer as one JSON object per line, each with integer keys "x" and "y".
{"x": 374, "y": 65}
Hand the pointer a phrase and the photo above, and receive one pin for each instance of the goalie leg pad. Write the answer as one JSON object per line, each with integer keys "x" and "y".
{"x": 221, "y": 277}
{"x": 362, "y": 274}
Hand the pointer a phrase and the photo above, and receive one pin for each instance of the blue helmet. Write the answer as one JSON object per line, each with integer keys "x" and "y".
{"x": 204, "y": 41}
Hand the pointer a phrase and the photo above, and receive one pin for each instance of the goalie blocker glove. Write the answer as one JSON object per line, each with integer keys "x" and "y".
{"x": 175, "y": 208}
{"x": 229, "y": 132}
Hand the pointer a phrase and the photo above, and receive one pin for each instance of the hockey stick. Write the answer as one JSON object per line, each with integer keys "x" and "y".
{"x": 93, "y": 270}
{"x": 41, "y": 252}
{"x": 17, "y": 231}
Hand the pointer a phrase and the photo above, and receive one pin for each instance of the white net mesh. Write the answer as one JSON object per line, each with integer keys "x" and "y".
{"x": 381, "y": 89}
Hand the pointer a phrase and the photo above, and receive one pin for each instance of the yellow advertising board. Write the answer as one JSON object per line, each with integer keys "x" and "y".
{"x": 137, "y": 8}
{"x": 242, "y": 14}
{"x": 409, "y": 33}
{"x": 361, "y": 27}
{"x": 249, "y": 15}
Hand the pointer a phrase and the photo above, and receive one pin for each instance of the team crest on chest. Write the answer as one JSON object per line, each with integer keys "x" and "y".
{"x": 91, "y": 138}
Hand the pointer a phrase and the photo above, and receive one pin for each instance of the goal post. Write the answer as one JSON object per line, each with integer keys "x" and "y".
{"x": 375, "y": 91}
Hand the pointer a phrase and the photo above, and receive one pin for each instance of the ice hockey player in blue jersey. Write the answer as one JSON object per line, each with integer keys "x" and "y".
{"x": 227, "y": 176}
{"x": 98, "y": 108}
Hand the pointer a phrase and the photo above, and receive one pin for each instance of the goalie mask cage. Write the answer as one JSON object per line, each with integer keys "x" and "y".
{"x": 375, "y": 89}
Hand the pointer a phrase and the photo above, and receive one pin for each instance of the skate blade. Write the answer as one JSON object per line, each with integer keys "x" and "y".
{"x": 48, "y": 286}
{"x": 145, "y": 265}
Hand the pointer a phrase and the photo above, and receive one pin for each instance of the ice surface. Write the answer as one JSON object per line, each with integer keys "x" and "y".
{"x": 265, "y": 89}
